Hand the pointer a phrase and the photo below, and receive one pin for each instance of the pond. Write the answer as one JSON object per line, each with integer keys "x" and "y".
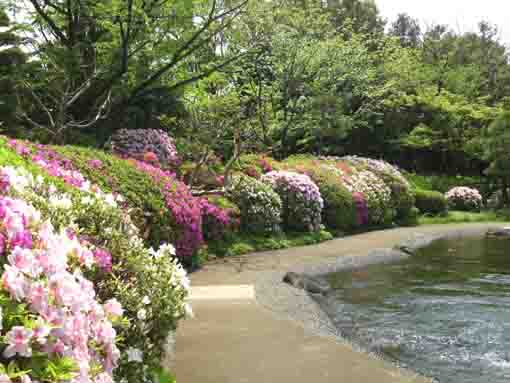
{"x": 444, "y": 312}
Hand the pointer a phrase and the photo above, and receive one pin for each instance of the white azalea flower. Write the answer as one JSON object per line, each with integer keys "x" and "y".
{"x": 134, "y": 355}
{"x": 142, "y": 314}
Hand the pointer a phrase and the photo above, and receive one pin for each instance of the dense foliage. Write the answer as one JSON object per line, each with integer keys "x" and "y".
{"x": 431, "y": 202}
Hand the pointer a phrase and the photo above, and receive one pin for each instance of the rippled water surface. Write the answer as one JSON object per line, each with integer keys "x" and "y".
{"x": 444, "y": 312}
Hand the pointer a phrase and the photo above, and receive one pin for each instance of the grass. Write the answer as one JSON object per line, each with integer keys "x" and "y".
{"x": 464, "y": 217}
{"x": 239, "y": 244}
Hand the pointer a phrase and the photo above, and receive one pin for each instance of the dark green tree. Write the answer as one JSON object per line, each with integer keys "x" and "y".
{"x": 407, "y": 29}
{"x": 12, "y": 59}
{"x": 496, "y": 146}
{"x": 99, "y": 58}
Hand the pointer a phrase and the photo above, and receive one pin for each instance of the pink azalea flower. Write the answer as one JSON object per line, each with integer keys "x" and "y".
{"x": 14, "y": 282}
{"x": 18, "y": 341}
{"x": 113, "y": 307}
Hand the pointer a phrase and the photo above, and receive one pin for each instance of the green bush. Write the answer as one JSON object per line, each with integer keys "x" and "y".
{"x": 430, "y": 202}
{"x": 403, "y": 199}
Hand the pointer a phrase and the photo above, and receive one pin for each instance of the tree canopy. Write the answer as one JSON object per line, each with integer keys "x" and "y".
{"x": 280, "y": 76}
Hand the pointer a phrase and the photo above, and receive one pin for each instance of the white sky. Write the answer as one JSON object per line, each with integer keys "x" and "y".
{"x": 461, "y": 15}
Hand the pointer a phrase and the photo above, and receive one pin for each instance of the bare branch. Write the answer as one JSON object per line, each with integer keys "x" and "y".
{"x": 101, "y": 114}
{"x": 53, "y": 26}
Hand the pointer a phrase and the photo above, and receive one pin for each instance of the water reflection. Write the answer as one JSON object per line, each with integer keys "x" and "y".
{"x": 444, "y": 312}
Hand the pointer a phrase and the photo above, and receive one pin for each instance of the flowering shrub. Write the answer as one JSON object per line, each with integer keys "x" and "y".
{"x": 148, "y": 145}
{"x": 464, "y": 198}
{"x": 260, "y": 207}
{"x": 402, "y": 197}
{"x": 339, "y": 211}
{"x": 57, "y": 166}
{"x": 361, "y": 208}
{"x": 378, "y": 167}
{"x": 215, "y": 220}
{"x": 120, "y": 267}
{"x": 255, "y": 165}
{"x": 186, "y": 210}
{"x": 376, "y": 194}
{"x": 54, "y": 327}
{"x": 301, "y": 199}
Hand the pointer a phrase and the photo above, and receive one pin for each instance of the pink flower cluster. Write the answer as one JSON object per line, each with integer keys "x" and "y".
{"x": 215, "y": 221}
{"x": 57, "y": 166}
{"x": 186, "y": 209}
{"x": 464, "y": 198}
{"x": 50, "y": 161}
{"x": 361, "y": 208}
{"x": 197, "y": 219}
{"x": 67, "y": 319}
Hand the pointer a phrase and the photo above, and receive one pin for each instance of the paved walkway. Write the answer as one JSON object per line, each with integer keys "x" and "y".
{"x": 235, "y": 339}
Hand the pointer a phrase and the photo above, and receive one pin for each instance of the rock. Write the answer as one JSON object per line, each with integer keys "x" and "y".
{"x": 503, "y": 232}
{"x": 405, "y": 249}
{"x": 306, "y": 283}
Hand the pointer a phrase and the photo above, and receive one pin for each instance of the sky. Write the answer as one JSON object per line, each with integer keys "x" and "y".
{"x": 461, "y": 15}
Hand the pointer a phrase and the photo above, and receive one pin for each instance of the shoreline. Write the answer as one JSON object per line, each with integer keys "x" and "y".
{"x": 311, "y": 310}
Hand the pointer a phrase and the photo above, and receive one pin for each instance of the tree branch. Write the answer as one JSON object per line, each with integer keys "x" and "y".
{"x": 53, "y": 26}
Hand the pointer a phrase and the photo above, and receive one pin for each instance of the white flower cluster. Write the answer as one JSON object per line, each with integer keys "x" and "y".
{"x": 302, "y": 200}
{"x": 260, "y": 205}
{"x": 375, "y": 191}
{"x": 464, "y": 198}
{"x": 378, "y": 167}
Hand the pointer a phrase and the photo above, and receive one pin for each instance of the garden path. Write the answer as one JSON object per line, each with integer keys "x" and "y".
{"x": 236, "y": 338}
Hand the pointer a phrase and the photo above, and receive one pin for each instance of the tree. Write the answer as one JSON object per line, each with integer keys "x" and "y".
{"x": 99, "y": 57}
{"x": 407, "y": 30}
{"x": 496, "y": 144}
{"x": 363, "y": 15}
{"x": 12, "y": 60}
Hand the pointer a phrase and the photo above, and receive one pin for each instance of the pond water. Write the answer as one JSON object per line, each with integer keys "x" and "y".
{"x": 444, "y": 312}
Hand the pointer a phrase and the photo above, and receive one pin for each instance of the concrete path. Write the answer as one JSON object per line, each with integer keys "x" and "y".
{"x": 235, "y": 339}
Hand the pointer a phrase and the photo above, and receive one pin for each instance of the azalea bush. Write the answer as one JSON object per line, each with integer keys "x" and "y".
{"x": 255, "y": 165}
{"x": 340, "y": 210}
{"x": 216, "y": 220}
{"x": 149, "y": 145}
{"x": 151, "y": 285}
{"x": 54, "y": 326}
{"x": 259, "y": 205}
{"x": 464, "y": 198}
{"x": 161, "y": 206}
{"x": 376, "y": 194}
{"x": 144, "y": 199}
{"x": 402, "y": 197}
{"x": 301, "y": 200}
